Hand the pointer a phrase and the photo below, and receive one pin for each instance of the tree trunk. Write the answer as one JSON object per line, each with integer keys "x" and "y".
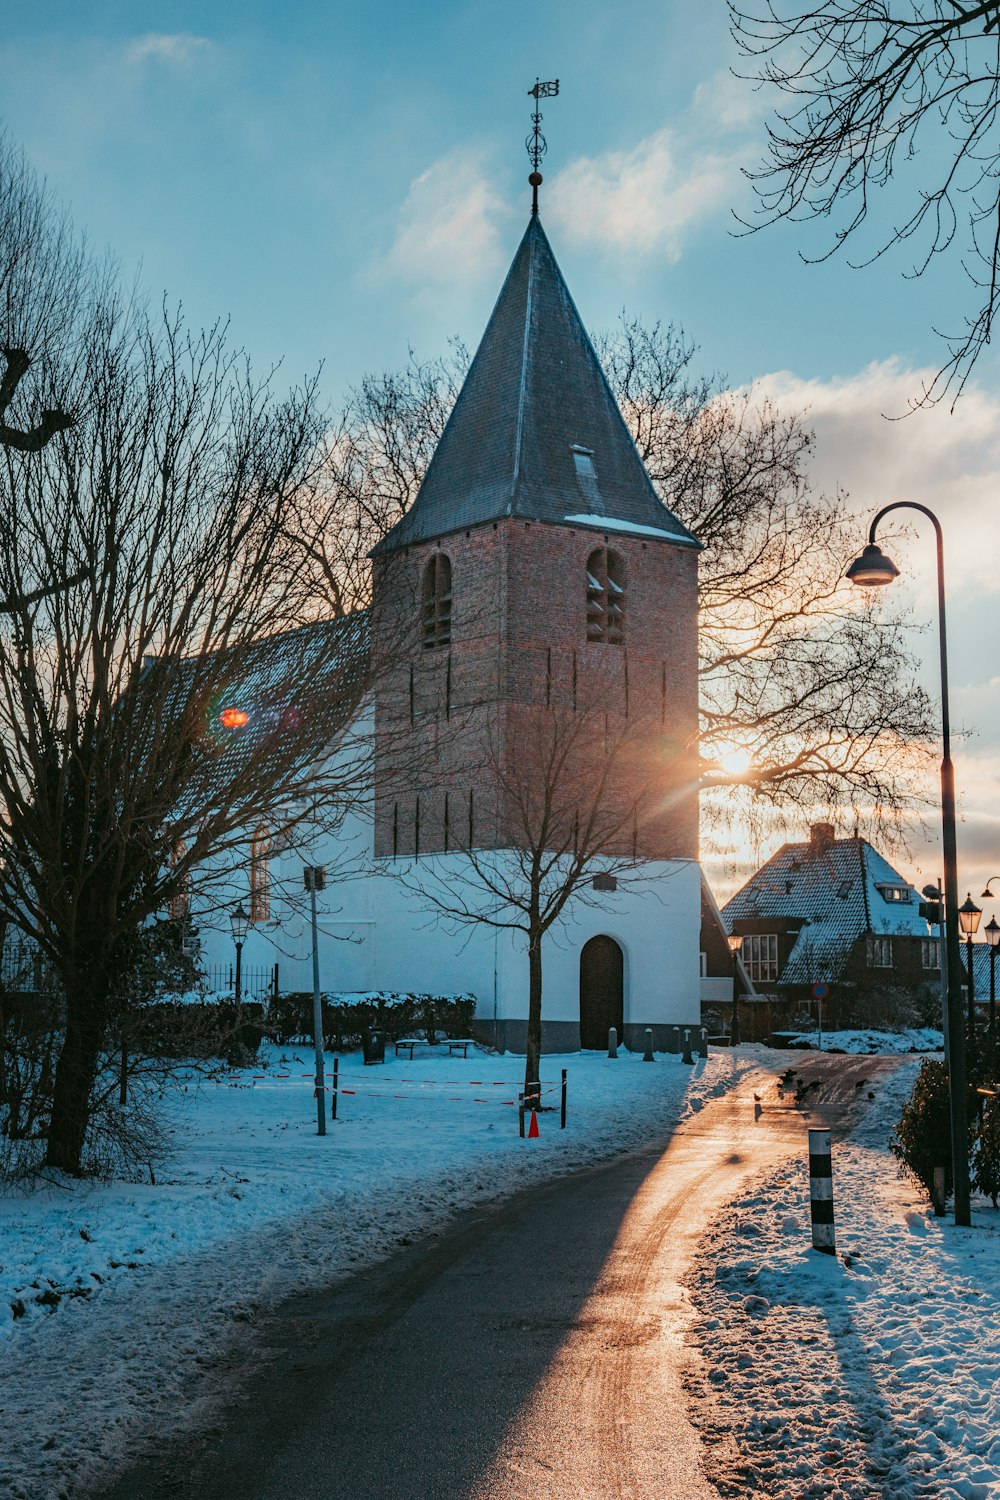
{"x": 87, "y": 1009}
{"x": 533, "y": 1059}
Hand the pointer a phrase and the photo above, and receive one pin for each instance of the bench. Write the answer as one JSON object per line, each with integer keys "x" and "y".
{"x": 465, "y": 1042}
{"x": 409, "y": 1043}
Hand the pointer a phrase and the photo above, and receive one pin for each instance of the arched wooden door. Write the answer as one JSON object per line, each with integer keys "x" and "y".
{"x": 602, "y": 991}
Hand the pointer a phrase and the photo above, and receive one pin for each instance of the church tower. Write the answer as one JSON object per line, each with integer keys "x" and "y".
{"x": 538, "y": 569}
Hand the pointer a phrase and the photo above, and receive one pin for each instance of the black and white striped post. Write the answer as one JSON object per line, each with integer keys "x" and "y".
{"x": 821, "y": 1191}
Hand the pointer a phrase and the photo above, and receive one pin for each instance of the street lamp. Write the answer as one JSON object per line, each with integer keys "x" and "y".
{"x": 992, "y": 931}
{"x": 735, "y": 947}
{"x": 874, "y": 570}
{"x": 239, "y": 922}
{"x": 968, "y": 919}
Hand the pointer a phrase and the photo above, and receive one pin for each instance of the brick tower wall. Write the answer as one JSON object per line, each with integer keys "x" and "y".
{"x": 519, "y": 648}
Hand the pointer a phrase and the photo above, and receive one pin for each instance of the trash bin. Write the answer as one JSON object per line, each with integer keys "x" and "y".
{"x": 373, "y": 1043}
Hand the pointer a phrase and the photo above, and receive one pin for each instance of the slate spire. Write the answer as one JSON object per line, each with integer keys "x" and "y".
{"x": 536, "y": 431}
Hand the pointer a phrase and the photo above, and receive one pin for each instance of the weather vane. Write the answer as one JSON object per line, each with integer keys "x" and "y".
{"x": 536, "y": 141}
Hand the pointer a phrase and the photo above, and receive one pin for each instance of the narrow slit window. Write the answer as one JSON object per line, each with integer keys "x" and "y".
{"x": 260, "y": 876}
{"x": 437, "y": 602}
{"x": 605, "y": 597}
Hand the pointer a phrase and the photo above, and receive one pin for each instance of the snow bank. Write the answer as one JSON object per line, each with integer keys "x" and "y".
{"x": 875, "y": 1373}
{"x": 885, "y": 1043}
{"x": 117, "y": 1299}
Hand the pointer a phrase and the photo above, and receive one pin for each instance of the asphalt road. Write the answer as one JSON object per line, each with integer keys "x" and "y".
{"x": 534, "y": 1350}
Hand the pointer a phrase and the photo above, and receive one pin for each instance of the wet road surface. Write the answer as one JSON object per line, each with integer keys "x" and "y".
{"x": 536, "y": 1349}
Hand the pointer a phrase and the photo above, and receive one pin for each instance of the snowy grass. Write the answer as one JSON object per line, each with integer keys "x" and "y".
{"x": 117, "y": 1299}
{"x": 875, "y": 1373}
{"x": 883, "y": 1043}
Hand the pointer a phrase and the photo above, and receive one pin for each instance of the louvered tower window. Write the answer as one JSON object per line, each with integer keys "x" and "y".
{"x": 605, "y": 597}
{"x": 437, "y": 602}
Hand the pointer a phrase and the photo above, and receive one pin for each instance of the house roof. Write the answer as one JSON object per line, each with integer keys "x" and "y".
{"x": 536, "y": 431}
{"x": 837, "y": 889}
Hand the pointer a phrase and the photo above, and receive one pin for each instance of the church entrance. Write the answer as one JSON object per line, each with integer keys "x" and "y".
{"x": 602, "y": 991}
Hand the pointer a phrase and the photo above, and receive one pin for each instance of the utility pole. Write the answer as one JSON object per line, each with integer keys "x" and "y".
{"x": 315, "y": 880}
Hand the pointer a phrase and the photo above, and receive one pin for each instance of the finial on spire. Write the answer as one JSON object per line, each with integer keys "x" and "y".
{"x": 536, "y": 141}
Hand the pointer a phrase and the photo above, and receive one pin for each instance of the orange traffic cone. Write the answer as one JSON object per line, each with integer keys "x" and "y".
{"x": 533, "y": 1127}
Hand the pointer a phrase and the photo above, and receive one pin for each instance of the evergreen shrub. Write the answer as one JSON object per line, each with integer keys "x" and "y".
{"x": 347, "y": 1016}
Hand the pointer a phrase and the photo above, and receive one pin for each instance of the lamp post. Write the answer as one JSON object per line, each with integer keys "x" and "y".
{"x": 735, "y": 946}
{"x": 239, "y": 922}
{"x": 873, "y": 570}
{"x": 968, "y": 919}
{"x": 992, "y": 931}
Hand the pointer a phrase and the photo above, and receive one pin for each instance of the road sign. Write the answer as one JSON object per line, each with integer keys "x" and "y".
{"x": 820, "y": 991}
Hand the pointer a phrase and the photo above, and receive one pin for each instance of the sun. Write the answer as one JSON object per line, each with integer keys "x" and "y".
{"x": 735, "y": 761}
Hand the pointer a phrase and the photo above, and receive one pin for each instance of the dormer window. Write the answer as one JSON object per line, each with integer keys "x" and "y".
{"x": 605, "y": 597}
{"x": 436, "y": 608}
{"x": 583, "y": 459}
{"x": 895, "y": 893}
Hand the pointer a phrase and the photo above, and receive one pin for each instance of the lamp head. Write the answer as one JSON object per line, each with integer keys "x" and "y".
{"x": 239, "y": 922}
{"x": 992, "y": 931}
{"x": 735, "y": 941}
{"x": 968, "y": 915}
{"x": 987, "y": 894}
{"x": 872, "y": 569}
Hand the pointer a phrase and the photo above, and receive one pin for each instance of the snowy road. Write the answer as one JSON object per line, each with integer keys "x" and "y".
{"x": 540, "y": 1346}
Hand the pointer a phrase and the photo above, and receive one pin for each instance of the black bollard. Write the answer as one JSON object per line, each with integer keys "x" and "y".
{"x": 647, "y": 1056}
{"x": 612, "y": 1041}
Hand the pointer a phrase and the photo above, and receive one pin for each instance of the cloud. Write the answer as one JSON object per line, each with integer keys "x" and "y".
{"x": 641, "y": 201}
{"x": 180, "y": 48}
{"x": 949, "y": 461}
{"x": 449, "y": 228}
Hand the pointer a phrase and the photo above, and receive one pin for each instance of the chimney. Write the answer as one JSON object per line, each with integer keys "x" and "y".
{"x": 822, "y": 836}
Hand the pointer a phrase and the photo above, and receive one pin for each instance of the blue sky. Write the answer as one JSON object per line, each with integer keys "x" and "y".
{"x": 346, "y": 182}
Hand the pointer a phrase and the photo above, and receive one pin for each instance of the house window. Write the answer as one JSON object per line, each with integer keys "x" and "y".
{"x": 760, "y": 955}
{"x": 605, "y": 597}
{"x": 879, "y": 952}
{"x": 260, "y": 876}
{"x": 895, "y": 893}
{"x": 437, "y": 602}
{"x": 179, "y": 908}
{"x": 930, "y": 953}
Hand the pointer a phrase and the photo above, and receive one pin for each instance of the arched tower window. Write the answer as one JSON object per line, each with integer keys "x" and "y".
{"x": 605, "y": 597}
{"x": 436, "y": 613}
{"x": 260, "y": 876}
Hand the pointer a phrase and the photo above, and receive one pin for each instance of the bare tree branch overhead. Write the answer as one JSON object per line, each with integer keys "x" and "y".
{"x": 892, "y": 111}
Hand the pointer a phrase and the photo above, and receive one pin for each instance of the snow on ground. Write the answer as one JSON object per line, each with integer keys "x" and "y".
{"x": 875, "y": 1373}
{"x": 912, "y": 1039}
{"x": 117, "y": 1299}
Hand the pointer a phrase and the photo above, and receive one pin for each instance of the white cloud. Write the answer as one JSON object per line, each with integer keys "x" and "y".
{"x": 449, "y": 227}
{"x": 949, "y": 461}
{"x": 644, "y": 200}
{"x": 179, "y": 48}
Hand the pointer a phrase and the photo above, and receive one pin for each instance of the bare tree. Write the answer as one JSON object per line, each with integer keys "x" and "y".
{"x": 153, "y": 711}
{"x": 556, "y": 777}
{"x": 374, "y": 459}
{"x": 904, "y": 92}
{"x": 813, "y": 691}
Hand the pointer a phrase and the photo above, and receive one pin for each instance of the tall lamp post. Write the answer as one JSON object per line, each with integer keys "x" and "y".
{"x": 968, "y": 918}
{"x": 874, "y": 570}
{"x": 239, "y": 922}
{"x": 992, "y": 931}
{"x": 735, "y": 946}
